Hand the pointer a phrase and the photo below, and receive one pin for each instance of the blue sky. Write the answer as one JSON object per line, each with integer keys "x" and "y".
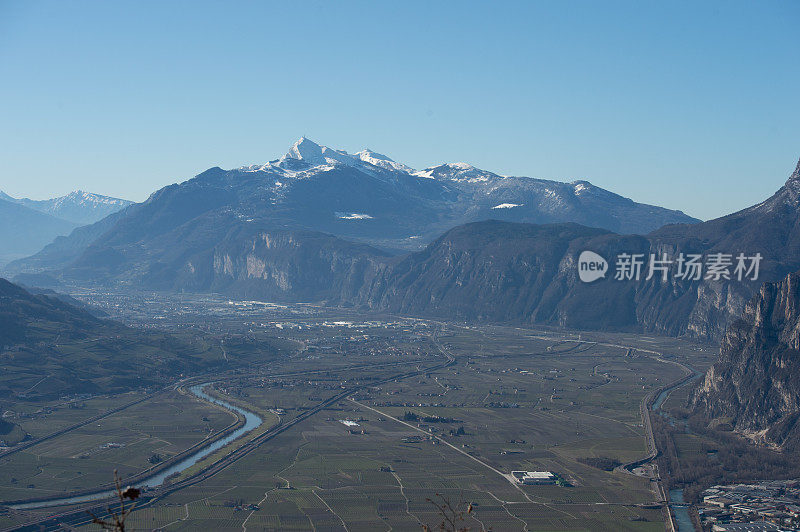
{"x": 689, "y": 105}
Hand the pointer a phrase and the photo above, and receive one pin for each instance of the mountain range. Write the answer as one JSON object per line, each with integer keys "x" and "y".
{"x": 368, "y": 197}
{"x": 323, "y": 225}
{"x": 364, "y": 197}
{"x": 29, "y": 225}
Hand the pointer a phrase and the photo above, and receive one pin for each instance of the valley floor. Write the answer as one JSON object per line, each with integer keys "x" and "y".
{"x": 399, "y": 435}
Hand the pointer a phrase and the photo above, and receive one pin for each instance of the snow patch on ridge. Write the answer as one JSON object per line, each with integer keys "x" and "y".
{"x": 581, "y": 186}
{"x": 353, "y": 216}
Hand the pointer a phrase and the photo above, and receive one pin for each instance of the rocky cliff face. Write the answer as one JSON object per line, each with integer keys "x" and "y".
{"x": 214, "y": 253}
{"x": 285, "y": 265}
{"x": 755, "y": 384}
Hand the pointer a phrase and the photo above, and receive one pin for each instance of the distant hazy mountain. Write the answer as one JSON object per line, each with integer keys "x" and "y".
{"x": 63, "y": 250}
{"x": 364, "y": 197}
{"x": 78, "y": 207}
{"x": 24, "y": 231}
{"x": 755, "y": 384}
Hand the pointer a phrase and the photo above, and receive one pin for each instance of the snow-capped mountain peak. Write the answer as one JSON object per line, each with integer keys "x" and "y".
{"x": 318, "y": 157}
{"x": 78, "y": 206}
{"x": 89, "y": 199}
{"x": 304, "y": 148}
{"x": 312, "y": 153}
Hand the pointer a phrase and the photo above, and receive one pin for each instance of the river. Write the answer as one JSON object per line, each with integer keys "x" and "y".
{"x": 677, "y": 504}
{"x": 251, "y": 421}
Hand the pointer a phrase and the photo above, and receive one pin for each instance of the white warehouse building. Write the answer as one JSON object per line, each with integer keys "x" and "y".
{"x": 534, "y": 477}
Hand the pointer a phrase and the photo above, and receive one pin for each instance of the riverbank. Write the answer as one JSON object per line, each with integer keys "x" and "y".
{"x": 246, "y": 422}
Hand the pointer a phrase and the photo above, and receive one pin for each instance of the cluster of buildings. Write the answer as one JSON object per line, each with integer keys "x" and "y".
{"x": 768, "y": 505}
